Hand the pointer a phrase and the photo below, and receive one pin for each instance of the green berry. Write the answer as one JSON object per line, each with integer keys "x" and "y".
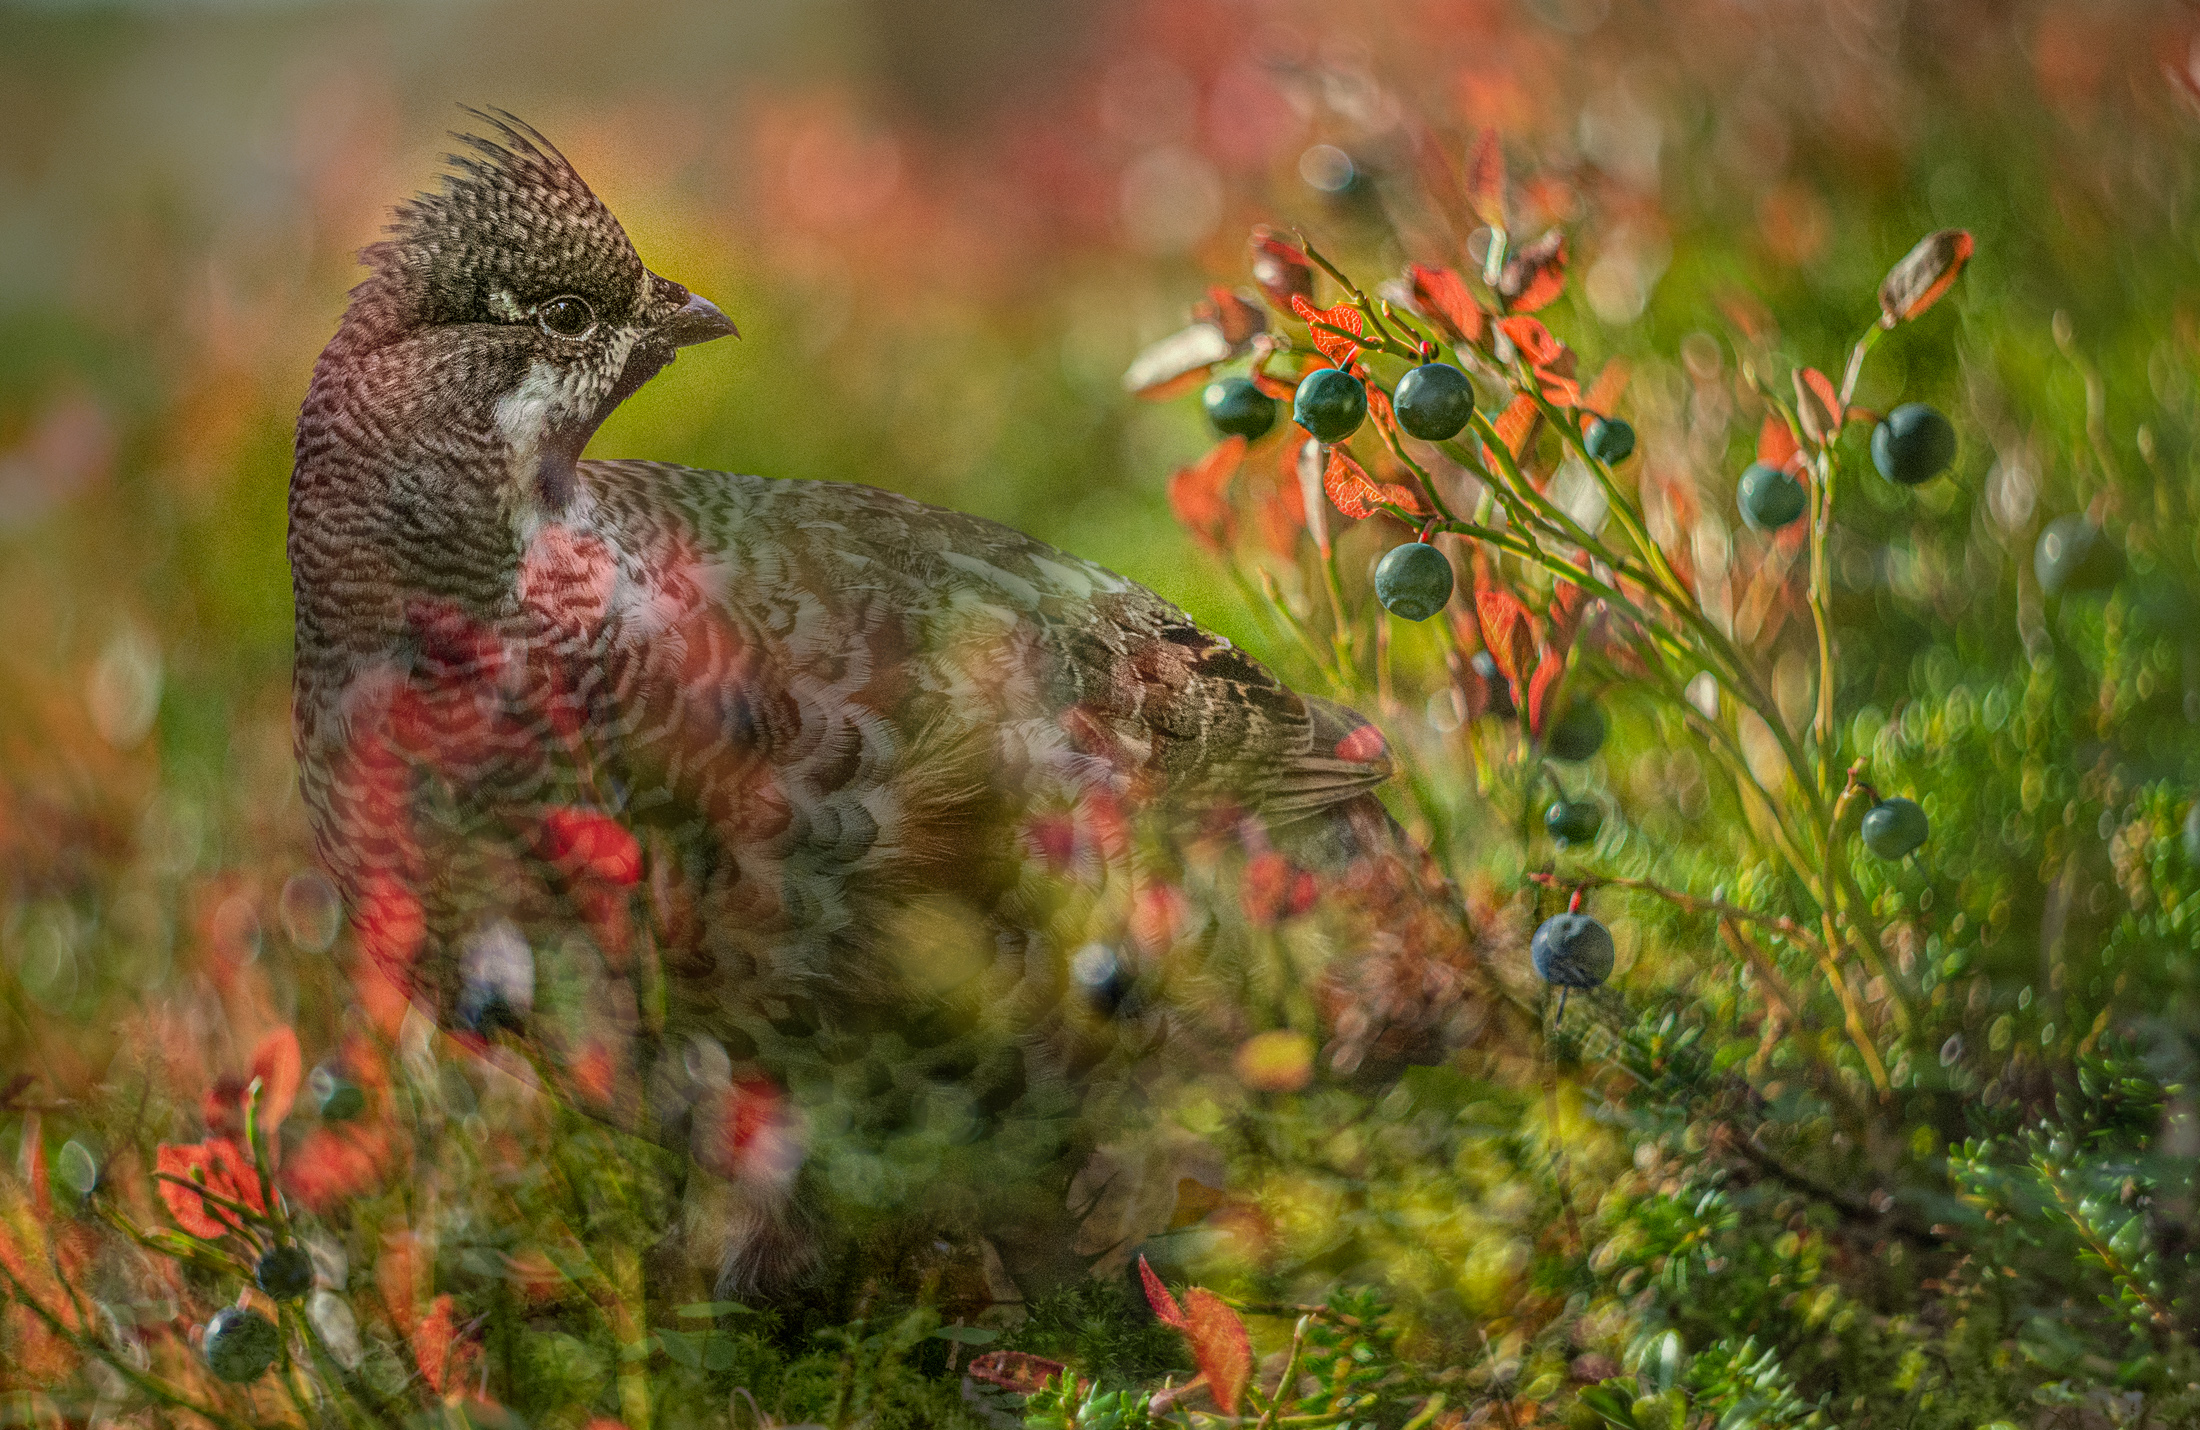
{"x": 1895, "y": 827}
{"x": 1238, "y": 408}
{"x": 1413, "y": 581}
{"x": 284, "y": 1272}
{"x": 1575, "y": 735}
{"x": 1573, "y": 821}
{"x": 335, "y": 1097}
{"x": 2075, "y": 555}
{"x": 1609, "y": 440}
{"x": 1331, "y": 404}
{"x": 1769, "y": 497}
{"x": 1572, "y": 951}
{"x": 77, "y": 1168}
{"x": 241, "y": 1344}
{"x": 1913, "y": 444}
{"x": 1434, "y": 401}
{"x": 2192, "y": 833}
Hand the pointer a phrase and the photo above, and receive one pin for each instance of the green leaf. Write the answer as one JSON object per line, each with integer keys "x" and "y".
{"x": 712, "y": 1310}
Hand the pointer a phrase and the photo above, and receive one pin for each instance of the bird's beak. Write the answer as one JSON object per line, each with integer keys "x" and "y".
{"x": 697, "y": 321}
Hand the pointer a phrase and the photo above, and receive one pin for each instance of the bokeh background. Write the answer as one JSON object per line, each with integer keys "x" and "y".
{"x": 944, "y": 229}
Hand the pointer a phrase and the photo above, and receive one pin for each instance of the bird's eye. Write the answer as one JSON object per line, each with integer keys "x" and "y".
{"x": 566, "y": 317}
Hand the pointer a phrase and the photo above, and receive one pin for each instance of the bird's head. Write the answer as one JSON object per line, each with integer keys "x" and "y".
{"x": 510, "y": 304}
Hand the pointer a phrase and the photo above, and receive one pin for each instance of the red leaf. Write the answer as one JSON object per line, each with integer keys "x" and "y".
{"x": 1506, "y": 633}
{"x": 1534, "y": 341}
{"x": 1486, "y": 179}
{"x": 1442, "y": 297}
{"x": 1196, "y": 493}
{"x": 1817, "y": 405}
{"x": 1220, "y": 1346}
{"x": 278, "y": 1066}
{"x": 1233, "y": 313}
{"x": 1350, "y": 491}
{"x": 1776, "y": 442}
{"x": 1543, "y": 689}
{"x": 1019, "y": 1371}
{"x": 445, "y": 1356}
{"x": 1925, "y": 272}
{"x": 588, "y": 841}
{"x": 1534, "y": 276}
{"x": 334, "y": 1164}
{"x": 1336, "y": 348}
{"x": 32, "y": 1164}
{"x": 1603, "y": 395}
{"x": 1164, "y": 1305}
{"x": 1281, "y": 270}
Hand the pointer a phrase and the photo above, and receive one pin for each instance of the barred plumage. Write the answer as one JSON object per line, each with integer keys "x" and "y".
{"x": 727, "y": 785}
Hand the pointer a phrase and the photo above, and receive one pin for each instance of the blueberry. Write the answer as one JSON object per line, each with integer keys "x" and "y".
{"x": 1493, "y": 681}
{"x": 335, "y": 1097}
{"x": 1610, "y": 440}
{"x": 241, "y": 1344}
{"x": 284, "y": 1272}
{"x": 1913, "y": 444}
{"x": 1573, "y": 821}
{"x": 1237, "y": 408}
{"x": 1894, "y": 827}
{"x": 1413, "y": 581}
{"x": 2075, "y": 555}
{"x": 1331, "y": 404}
{"x": 1572, "y": 951}
{"x": 1769, "y": 497}
{"x": 1575, "y": 735}
{"x": 1434, "y": 401}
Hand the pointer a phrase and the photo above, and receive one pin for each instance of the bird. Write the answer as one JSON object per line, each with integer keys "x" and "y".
{"x": 840, "y": 840}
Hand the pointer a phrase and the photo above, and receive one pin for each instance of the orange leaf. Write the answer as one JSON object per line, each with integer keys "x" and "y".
{"x": 222, "y": 1168}
{"x": 588, "y": 841}
{"x": 1543, "y": 689}
{"x": 1925, "y": 272}
{"x": 1534, "y": 341}
{"x": 1568, "y": 602}
{"x": 278, "y": 1066}
{"x": 1337, "y": 348}
{"x": 1177, "y": 362}
{"x": 1535, "y": 275}
{"x": 1220, "y": 1346}
{"x": 1486, "y": 179}
{"x": 1776, "y": 442}
{"x": 1442, "y": 297}
{"x": 1817, "y": 405}
{"x": 1350, "y": 491}
{"x": 1281, "y": 270}
{"x": 445, "y": 1356}
{"x": 1164, "y": 1305}
{"x": 1506, "y": 632}
{"x": 1604, "y": 394}
{"x": 1516, "y": 423}
{"x": 1196, "y": 493}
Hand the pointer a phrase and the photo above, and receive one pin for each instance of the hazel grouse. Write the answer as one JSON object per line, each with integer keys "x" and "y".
{"x": 834, "y": 834}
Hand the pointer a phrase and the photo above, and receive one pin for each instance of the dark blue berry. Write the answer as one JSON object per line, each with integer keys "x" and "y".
{"x": 241, "y": 1344}
{"x": 1913, "y": 444}
{"x": 1573, "y": 821}
{"x": 284, "y": 1272}
{"x": 1895, "y": 827}
{"x": 2075, "y": 555}
{"x": 335, "y": 1097}
{"x": 1413, "y": 581}
{"x": 1434, "y": 401}
{"x": 1237, "y": 408}
{"x": 1575, "y": 735}
{"x": 1609, "y": 440}
{"x": 1330, "y": 404}
{"x": 1572, "y": 951}
{"x": 1769, "y": 497}
{"x": 1493, "y": 681}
